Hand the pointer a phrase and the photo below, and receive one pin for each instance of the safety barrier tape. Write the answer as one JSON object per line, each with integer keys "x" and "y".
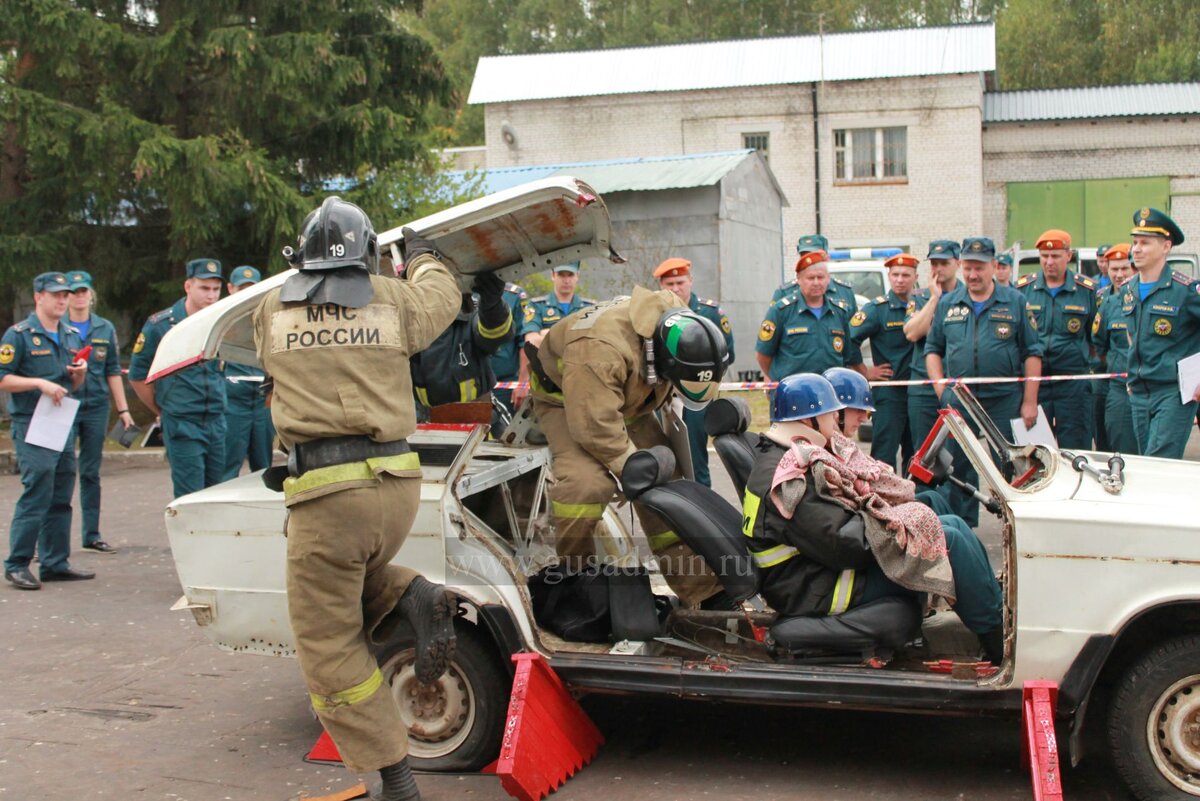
{"x": 740, "y": 385}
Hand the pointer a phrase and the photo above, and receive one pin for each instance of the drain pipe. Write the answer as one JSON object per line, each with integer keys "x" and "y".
{"x": 816, "y": 159}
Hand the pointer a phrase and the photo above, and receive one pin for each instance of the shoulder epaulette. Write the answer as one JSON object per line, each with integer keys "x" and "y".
{"x": 22, "y": 326}
{"x": 1183, "y": 279}
{"x": 539, "y": 299}
{"x": 708, "y": 302}
{"x": 1026, "y": 279}
{"x": 923, "y": 292}
{"x": 516, "y": 289}
{"x": 880, "y": 299}
{"x": 159, "y": 316}
{"x": 786, "y": 300}
{"x": 837, "y": 280}
{"x": 1084, "y": 280}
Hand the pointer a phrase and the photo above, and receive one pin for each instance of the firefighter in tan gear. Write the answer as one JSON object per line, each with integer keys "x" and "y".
{"x": 336, "y": 339}
{"x": 596, "y": 385}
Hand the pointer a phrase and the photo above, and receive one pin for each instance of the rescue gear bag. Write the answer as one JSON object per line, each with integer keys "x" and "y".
{"x": 600, "y": 603}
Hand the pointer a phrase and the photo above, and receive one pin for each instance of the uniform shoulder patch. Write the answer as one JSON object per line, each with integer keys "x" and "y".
{"x": 1026, "y": 280}
{"x": 785, "y": 301}
{"x": 1084, "y": 280}
{"x": 708, "y": 302}
{"x": 880, "y": 300}
{"x": 858, "y": 319}
{"x": 1183, "y": 279}
{"x": 159, "y": 316}
{"x": 7, "y": 353}
{"x": 837, "y": 280}
{"x": 22, "y": 326}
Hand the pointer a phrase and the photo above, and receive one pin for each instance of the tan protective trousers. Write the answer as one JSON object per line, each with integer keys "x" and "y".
{"x": 582, "y": 489}
{"x": 340, "y": 587}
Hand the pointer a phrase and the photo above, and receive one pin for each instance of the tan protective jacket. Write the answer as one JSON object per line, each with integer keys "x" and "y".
{"x": 598, "y": 358}
{"x": 341, "y": 372}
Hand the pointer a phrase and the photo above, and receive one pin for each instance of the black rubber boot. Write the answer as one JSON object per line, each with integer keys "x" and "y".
{"x": 720, "y": 602}
{"x": 430, "y": 609}
{"x": 993, "y": 645}
{"x": 398, "y": 784}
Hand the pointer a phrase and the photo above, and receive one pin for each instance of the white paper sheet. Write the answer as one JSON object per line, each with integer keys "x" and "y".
{"x": 1040, "y": 434}
{"x": 51, "y": 425}
{"x": 1189, "y": 377}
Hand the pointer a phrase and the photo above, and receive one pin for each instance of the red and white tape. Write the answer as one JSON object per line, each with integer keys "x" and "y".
{"x": 747, "y": 385}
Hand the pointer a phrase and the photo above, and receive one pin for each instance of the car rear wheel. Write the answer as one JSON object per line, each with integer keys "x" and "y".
{"x": 454, "y": 724}
{"x": 1154, "y": 722}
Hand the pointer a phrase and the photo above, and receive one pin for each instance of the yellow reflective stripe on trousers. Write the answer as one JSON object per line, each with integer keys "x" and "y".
{"x": 664, "y": 540}
{"x": 352, "y": 471}
{"x": 577, "y": 511}
{"x": 842, "y": 592}
{"x": 498, "y": 331}
{"x": 773, "y": 556}
{"x": 749, "y": 512}
{"x": 422, "y": 396}
{"x": 466, "y": 390}
{"x": 356, "y": 694}
{"x": 536, "y": 386}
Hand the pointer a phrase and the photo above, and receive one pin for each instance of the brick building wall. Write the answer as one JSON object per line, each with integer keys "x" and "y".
{"x": 1132, "y": 147}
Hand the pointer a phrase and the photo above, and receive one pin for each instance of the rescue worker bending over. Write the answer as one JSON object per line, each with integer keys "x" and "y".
{"x": 596, "y": 381}
{"x": 819, "y": 556}
{"x": 332, "y": 338}
{"x": 457, "y": 367}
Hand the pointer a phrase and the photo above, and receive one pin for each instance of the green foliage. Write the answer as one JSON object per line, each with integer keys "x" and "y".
{"x": 136, "y": 136}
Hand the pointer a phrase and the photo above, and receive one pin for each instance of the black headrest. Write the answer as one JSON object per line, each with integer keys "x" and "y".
{"x": 726, "y": 416}
{"x": 647, "y": 468}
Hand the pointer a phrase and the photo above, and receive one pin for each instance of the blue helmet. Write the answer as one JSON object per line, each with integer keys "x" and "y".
{"x": 803, "y": 395}
{"x": 851, "y": 387}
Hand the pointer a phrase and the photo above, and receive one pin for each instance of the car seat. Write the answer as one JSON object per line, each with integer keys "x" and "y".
{"x": 726, "y": 421}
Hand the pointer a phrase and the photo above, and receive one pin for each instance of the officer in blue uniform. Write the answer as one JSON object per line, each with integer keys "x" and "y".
{"x": 843, "y": 291}
{"x": 882, "y": 323}
{"x": 104, "y": 382}
{"x": 36, "y": 357}
{"x": 943, "y": 278}
{"x": 544, "y": 312}
{"x": 1162, "y": 310}
{"x": 249, "y": 433}
{"x": 1064, "y": 304}
{"x": 809, "y": 331}
{"x": 675, "y": 274}
{"x": 1110, "y": 335}
{"x": 191, "y": 402}
{"x": 506, "y": 361}
{"x": 982, "y": 329}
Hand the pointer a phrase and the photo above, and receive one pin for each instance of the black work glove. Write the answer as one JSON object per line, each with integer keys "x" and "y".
{"x": 413, "y": 245}
{"x": 492, "y": 310}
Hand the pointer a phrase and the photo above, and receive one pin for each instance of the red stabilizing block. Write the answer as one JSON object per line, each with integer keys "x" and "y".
{"x": 324, "y": 750}
{"x": 1039, "y": 745}
{"x": 547, "y": 736}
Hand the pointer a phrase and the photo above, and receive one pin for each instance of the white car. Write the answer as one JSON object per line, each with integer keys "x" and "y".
{"x": 1100, "y": 574}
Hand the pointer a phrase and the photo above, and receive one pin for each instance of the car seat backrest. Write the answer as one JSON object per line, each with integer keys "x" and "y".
{"x": 702, "y": 519}
{"x": 726, "y": 421}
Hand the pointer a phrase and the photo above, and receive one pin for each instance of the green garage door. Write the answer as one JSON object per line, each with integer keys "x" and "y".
{"x": 1092, "y": 212}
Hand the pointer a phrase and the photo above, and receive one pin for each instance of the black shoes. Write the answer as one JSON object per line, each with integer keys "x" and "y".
{"x": 398, "y": 783}
{"x": 70, "y": 574}
{"x": 100, "y": 546}
{"x": 22, "y": 579}
{"x": 430, "y": 609}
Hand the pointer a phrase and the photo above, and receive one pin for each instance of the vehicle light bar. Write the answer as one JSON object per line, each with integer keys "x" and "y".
{"x": 854, "y": 254}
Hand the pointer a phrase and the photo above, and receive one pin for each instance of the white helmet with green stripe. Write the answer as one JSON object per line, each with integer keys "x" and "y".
{"x": 690, "y": 352}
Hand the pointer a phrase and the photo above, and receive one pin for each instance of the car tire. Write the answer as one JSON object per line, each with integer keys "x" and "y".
{"x": 456, "y": 723}
{"x": 1154, "y": 723}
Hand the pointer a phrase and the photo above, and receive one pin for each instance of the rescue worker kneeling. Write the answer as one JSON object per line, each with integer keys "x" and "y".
{"x": 597, "y": 379}
{"x": 830, "y": 528}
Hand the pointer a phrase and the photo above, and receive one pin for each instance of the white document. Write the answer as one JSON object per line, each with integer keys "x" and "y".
{"x": 1189, "y": 377}
{"x": 51, "y": 425}
{"x": 1040, "y": 434}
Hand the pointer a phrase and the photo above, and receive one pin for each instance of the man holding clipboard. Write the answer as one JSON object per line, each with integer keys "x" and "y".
{"x": 38, "y": 357}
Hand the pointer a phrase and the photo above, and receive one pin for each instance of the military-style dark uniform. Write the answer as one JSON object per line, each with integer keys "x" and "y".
{"x": 249, "y": 434}
{"x": 994, "y": 342}
{"x": 922, "y": 399}
{"x": 882, "y": 322}
{"x": 506, "y": 361}
{"x": 192, "y": 403}
{"x": 92, "y": 421}
{"x": 697, "y": 438}
{"x": 800, "y": 342}
{"x": 543, "y": 312}
{"x": 841, "y": 290}
{"x": 1064, "y": 322}
{"x": 42, "y": 516}
{"x": 1110, "y": 334}
{"x": 1163, "y": 329}
{"x": 457, "y": 367}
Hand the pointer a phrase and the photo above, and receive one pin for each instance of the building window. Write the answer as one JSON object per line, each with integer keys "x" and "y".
{"x": 863, "y": 155}
{"x": 757, "y": 141}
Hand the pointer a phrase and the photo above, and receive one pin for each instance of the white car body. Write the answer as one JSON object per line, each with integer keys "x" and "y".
{"x": 1093, "y": 579}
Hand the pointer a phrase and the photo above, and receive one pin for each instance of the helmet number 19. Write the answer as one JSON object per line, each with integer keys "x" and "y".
{"x": 704, "y": 375}
{"x": 337, "y": 250}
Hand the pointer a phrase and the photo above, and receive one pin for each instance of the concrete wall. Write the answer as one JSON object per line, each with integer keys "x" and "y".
{"x": 941, "y": 198}
{"x": 1134, "y": 147}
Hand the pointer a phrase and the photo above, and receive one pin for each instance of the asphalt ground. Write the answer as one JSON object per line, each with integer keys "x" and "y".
{"x": 107, "y": 694}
